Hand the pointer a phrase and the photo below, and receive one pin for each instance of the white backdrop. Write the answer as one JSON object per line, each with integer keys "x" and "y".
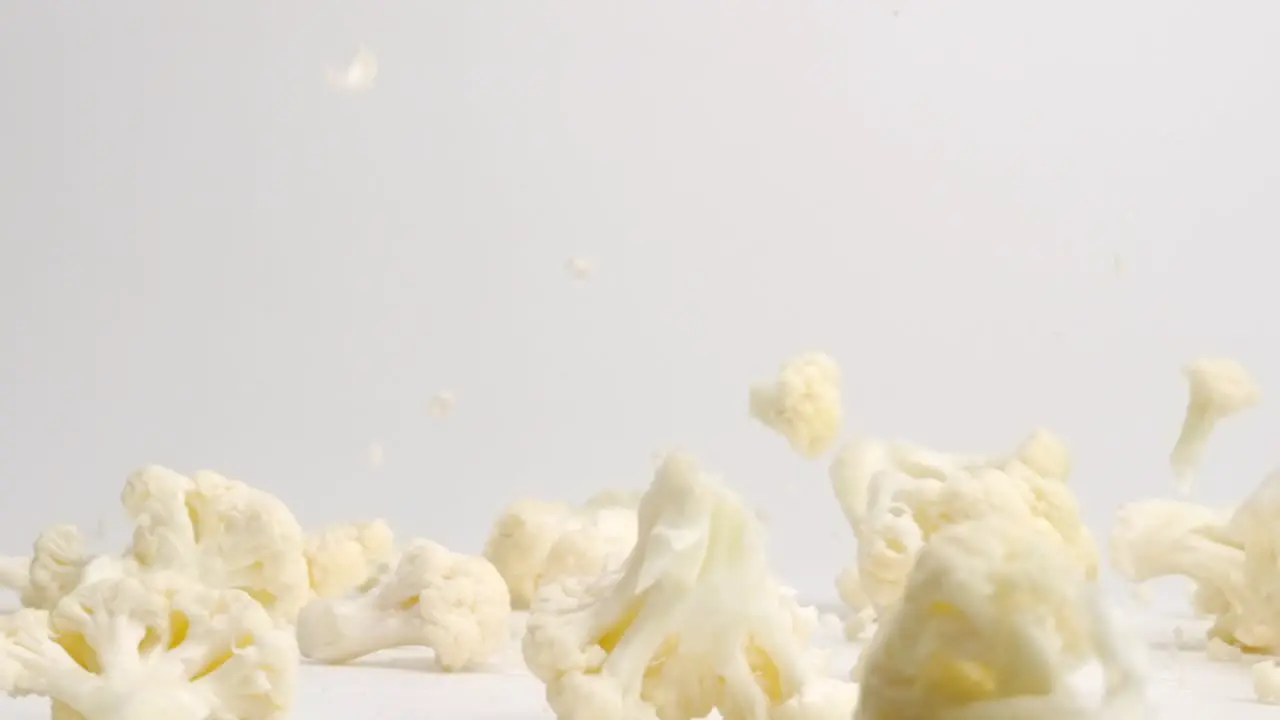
{"x": 212, "y": 259}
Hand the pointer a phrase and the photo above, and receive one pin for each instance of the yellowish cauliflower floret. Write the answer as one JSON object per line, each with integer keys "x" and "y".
{"x": 343, "y": 557}
{"x": 994, "y": 620}
{"x": 802, "y": 404}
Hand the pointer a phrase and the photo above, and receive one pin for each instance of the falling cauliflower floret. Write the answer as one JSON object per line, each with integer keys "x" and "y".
{"x": 533, "y": 540}
{"x": 1218, "y": 388}
{"x": 343, "y": 557}
{"x": 993, "y": 622}
{"x": 457, "y": 605}
{"x": 153, "y": 649}
{"x": 220, "y": 532}
{"x": 578, "y": 268}
{"x": 802, "y": 404}
{"x": 693, "y": 622}
{"x": 896, "y": 496}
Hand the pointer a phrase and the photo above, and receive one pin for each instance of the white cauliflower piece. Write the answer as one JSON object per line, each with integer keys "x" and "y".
{"x": 693, "y": 621}
{"x": 897, "y": 495}
{"x": 153, "y": 649}
{"x": 457, "y": 605}
{"x": 343, "y": 557}
{"x": 1266, "y": 681}
{"x": 1230, "y": 557}
{"x": 802, "y": 404}
{"x": 519, "y": 542}
{"x": 1218, "y": 388}
{"x": 221, "y": 532}
{"x": 535, "y": 540}
{"x": 58, "y": 565}
{"x": 995, "y": 618}
{"x": 591, "y": 542}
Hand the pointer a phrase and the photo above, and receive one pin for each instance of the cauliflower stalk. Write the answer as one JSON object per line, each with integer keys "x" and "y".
{"x": 693, "y": 622}
{"x": 994, "y": 620}
{"x": 802, "y": 404}
{"x": 341, "y": 558}
{"x": 457, "y": 605}
{"x": 896, "y": 496}
{"x": 221, "y": 533}
{"x": 535, "y": 541}
{"x": 153, "y": 649}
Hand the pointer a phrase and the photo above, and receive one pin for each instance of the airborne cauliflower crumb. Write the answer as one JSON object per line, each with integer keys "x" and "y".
{"x": 802, "y": 403}
{"x": 579, "y": 268}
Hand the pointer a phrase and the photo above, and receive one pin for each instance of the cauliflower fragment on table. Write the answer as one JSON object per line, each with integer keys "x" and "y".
{"x": 693, "y": 622}
{"x": 802, "y": 404}
{"x": 897, "y": 495}
{"x": 457, "y": 605}
{"x": 151, "y": 649}
{"x": 995, "y": 618}
{"x": 343, "y": 557}
{"x": 534, "y": 541}
{"x": 221, "y": 532}
{"x": 1218, "y": 388}
{"x": 1266, "y": 681}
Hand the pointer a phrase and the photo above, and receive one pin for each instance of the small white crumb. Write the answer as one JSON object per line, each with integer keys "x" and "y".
{"x": 579, "y": 268}
{"x": 1266, "y": 682}
{"x": 359, "y": 73}
{"x": 442, "y": 404}
{"x": 1117, "y": 264}
{"x": 1220, "y": 651}
{"x": 375, "y": 455}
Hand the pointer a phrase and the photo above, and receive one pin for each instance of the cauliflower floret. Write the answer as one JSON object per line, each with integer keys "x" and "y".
{"x": 1217, "y": 389}
{"x": 57, "y": 558}
{"x": 153, "y": 649}
{"x": 534, "y": 540}
{"x": 518, "y": 545}
{"x": 342, "y": 557}
{"x": 694, "y": 620}
{"x": 897, "y": 495}
{"x": 457, "y": 605}
{"x": 221, "y": 532}
{"x": 802, "y": 404}
{"x": 590, "y": 543}
{"x": 995, "y": 618}
{"x": 58, "y": 565}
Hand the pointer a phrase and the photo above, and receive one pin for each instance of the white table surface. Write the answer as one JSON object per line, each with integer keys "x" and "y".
{"x": 401, "y": 685}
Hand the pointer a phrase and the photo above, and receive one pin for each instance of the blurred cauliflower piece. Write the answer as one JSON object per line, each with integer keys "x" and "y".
{"x": 693, "y": 622}
{"x": 58, "y": 565}
{"x": 151, "y": 649}
{"x": 897, "y": 495}
{"x": 1217, "y": 389}
{"x": 802, "y": 404}
{"x": 457, "y": 605}
{"x": 994, "y": 619}
{"x": 1230, "y": 556}
{"x": 342, "y": 557}
{"x": 221, "y": 533}
{"x": 533, "y": 540}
